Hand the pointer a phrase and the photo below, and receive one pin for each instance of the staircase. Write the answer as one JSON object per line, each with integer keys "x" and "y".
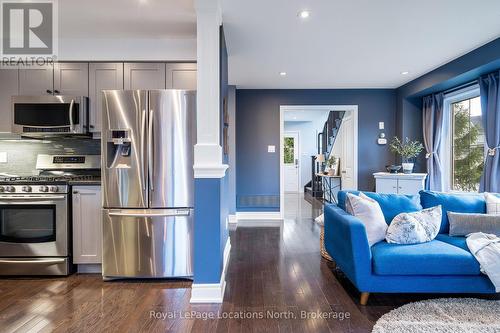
{"x": 326, "y": 140}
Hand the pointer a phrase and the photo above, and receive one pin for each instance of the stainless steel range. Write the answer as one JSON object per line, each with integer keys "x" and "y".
{"x": 35, "y": 215}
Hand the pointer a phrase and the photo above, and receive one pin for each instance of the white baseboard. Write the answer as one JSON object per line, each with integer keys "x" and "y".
{"x": 233, "y": 219}
{"x": 259, "y": 219}
{"x": 212, "y": 292}
{"x": 258, "y": 216}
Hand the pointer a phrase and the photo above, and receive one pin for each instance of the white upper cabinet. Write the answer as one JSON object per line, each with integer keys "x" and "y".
{"x": 36, "y": 80}
{"x": 9, "y": 85}
{"x": 144, "y": 75}
{"x": 71, "y": 78}
{"x": 102, "y": 76}
{"x": 181, "y": 76}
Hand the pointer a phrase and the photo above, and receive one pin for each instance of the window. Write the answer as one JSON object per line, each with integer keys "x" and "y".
{"x": 465, "y": 140}
{"x": 468, "y": 145}
{"x": 289, "y": 150}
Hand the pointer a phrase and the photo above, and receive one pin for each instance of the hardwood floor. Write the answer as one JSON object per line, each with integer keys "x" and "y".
{"x": 276, "y": 273}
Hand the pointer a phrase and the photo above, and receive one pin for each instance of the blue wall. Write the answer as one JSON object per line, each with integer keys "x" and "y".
{"x": 224, "y": 202}
{"x": 257, "y": 126}
{"x": 464, "y": 69}
{"x": 207, "y": 232}
{"x": 211, "y": 207}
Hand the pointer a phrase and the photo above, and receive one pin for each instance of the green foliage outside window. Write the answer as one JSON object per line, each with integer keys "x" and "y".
{"x": 289, "y": 153}
{"x": 468, "y": 148}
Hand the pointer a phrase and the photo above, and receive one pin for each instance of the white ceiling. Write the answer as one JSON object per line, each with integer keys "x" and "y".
{"x": 305, "y": 115}
{"x": 112, "y": 30}
{"x": 350, "y": 44}
{"x": 130, "y": 19}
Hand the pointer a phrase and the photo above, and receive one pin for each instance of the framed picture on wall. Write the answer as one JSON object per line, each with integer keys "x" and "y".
{"x": 225, "y": 130}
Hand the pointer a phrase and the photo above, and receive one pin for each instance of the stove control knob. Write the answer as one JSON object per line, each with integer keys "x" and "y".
{"x": 44, "y": 188}
{"x": 53, "y": 189}
{"x": 10, "y": 188}
{"x": 2, "y": 189}
{"x": 26, "y": 188}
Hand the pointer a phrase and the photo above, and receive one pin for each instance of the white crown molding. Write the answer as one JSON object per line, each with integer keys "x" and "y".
{"x": 212, "y": 292}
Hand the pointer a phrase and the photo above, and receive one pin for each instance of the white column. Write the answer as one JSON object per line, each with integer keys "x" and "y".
{"x": 207, "y": 151}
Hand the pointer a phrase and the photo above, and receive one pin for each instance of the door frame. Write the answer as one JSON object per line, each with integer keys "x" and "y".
{"x": 297, "y": 133}
{"x": 283, "y": 108}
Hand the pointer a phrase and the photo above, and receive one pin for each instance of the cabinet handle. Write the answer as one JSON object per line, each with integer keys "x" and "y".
{"x": 56, "y": 92}
{"x": 75, "y": 192}
{"x": 49, "y": 91}
{"x": 91, "y": 126}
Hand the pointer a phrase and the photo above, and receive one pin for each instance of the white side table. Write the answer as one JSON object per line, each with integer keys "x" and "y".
{"x": 399, "y": 183}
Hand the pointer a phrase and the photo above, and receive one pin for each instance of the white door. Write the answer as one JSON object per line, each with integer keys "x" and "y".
{"x": 291, "y": 161}
{"x": 347, "y": 159}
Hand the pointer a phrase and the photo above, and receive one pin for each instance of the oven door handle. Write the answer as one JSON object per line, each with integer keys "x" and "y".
{"x": 71, "y": 104}
{"x": 32, "y": 261}
{"x": 38, "y": 197}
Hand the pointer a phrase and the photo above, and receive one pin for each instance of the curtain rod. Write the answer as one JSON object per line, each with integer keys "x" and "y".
{"x": 465, "y": 85}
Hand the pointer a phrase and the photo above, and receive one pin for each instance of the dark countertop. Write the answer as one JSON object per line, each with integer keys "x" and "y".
{"x": 85, "y": 182}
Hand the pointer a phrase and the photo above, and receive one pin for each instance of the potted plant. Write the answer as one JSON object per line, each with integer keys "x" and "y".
{"x": 408, "y": 150}
{"x": 333, "y": 165}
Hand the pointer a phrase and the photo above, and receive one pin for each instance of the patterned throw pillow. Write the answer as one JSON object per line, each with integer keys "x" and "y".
{"x": 414, "y": 228}
{"x": 492, "y": 204}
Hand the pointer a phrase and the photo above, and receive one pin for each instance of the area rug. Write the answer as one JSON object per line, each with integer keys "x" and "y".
{"x": 447, "y": 315}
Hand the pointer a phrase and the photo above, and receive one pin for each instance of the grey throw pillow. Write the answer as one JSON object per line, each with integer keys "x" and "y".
{"x": 462, "y": 224}
{"x": 413, "y": 228}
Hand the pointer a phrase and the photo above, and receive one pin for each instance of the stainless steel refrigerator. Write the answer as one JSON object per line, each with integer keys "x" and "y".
{"x": 148, "y": 139}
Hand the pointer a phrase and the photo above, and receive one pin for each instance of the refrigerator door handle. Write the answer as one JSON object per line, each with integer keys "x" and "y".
{"x": 143, "y": 169}
{"x": 177, "y": 212}
{"x": 150, "y": 151}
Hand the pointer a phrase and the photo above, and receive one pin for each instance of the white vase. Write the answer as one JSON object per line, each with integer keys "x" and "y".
{"x": 408, "y": 167}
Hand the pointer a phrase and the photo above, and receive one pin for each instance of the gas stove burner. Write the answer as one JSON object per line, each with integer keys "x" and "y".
{"x": 41, "y": 179}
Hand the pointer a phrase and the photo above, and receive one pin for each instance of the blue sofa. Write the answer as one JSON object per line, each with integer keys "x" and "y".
{"x": 443, "y": 265}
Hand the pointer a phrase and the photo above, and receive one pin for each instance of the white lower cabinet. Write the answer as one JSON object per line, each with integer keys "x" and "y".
{"x": 87, "y": 225}
{"x": 399, "y": 183}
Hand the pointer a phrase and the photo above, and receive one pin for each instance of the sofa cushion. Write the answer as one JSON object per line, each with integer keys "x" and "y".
{"x": 453, "y": 202}
{"x": 457, "y": 241}
{"x": 391, "y": 204}
{"x": 431, "y": 258}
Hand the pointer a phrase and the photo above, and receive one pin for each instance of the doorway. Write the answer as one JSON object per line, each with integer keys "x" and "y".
{"x": 291, "y": 167}
{"x": 295, "y": 171}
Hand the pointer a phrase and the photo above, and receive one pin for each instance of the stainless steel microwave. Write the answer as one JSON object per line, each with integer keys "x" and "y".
{"x": 49, "y": 115}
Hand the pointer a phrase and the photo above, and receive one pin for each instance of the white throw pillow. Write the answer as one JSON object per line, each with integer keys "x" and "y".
{"x": 369, "y": 212}
{"x": 320, "y": 219}
{"x": 417, "y": 227}
{"x": 492, "y": 204}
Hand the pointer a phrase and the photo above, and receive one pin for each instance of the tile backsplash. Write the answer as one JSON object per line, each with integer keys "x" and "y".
{"x": 21, "y": 153}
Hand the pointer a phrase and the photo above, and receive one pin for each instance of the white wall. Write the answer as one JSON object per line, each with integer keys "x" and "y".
{"x": 308, "y": 135}
{"x": 116, "y": 49}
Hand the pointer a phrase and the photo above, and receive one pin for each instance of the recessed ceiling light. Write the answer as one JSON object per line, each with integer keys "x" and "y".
{"x": 404, "y": 73}
{"x": 303, "y": 14}
{"x": 294, "y": 118}
{"x": 283, "y": 73}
